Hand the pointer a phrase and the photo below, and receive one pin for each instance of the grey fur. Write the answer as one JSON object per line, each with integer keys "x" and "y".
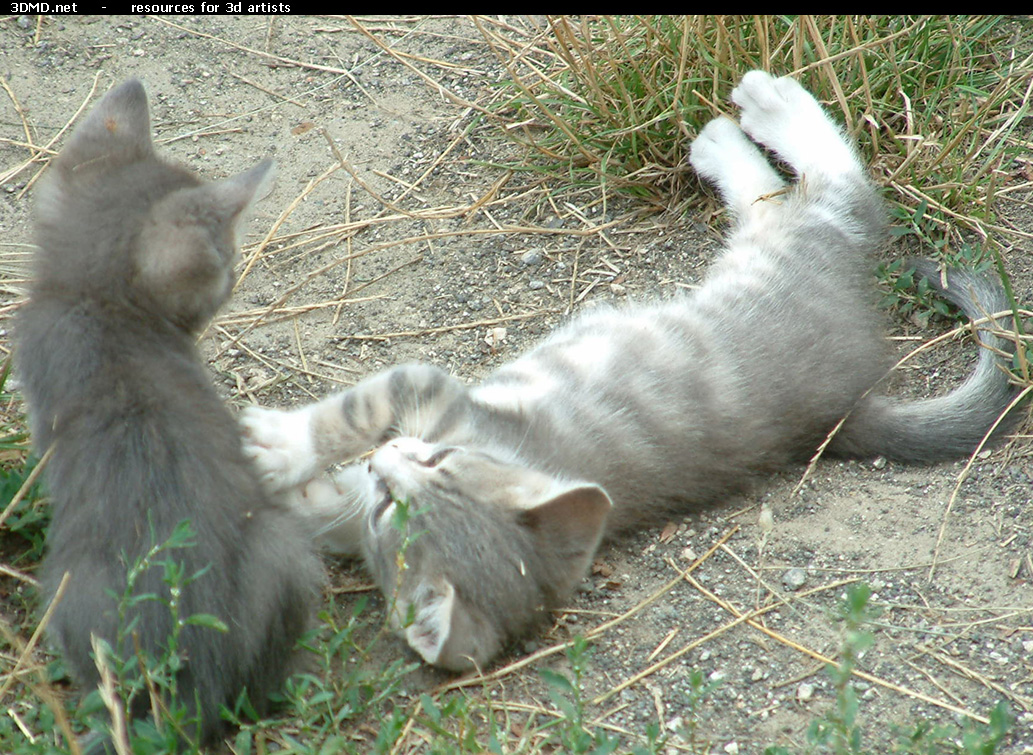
{"x": 657, "y": 407}
{"x": 134, "y": 256}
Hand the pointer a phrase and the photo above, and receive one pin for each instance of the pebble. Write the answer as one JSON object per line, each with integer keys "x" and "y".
{"x": 794, "y": 579}
{"x": 531, "y": 258}
{"x": 805, "y": 692}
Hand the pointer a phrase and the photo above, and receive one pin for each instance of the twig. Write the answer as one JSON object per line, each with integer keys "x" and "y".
{"x": 824, "y": 659}
{"x": 27, "y": 485}
{"x": 964, "y": 475}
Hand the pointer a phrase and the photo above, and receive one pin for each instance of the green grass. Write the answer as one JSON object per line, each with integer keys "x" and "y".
{"x": 937, "y": 103}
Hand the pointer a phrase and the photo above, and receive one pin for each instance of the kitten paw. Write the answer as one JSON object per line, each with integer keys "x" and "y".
{"x": 279, "y": 443}
{"x": 785, "y": 117}
{"x": 333, "y": 508}
{"x": 723, "y": 155}
{"x": 713, "y": 147}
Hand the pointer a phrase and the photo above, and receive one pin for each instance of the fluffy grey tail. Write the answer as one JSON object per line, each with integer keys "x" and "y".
{"x": 950, "y": 426}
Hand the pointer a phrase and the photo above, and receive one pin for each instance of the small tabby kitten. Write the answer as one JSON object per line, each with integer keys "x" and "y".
{"x": 627, "y": 415}
{"x": 135, "y": 255}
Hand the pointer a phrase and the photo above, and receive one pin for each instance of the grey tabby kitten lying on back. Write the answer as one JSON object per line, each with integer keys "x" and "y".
{"x": 626, "y": 415}
{"x": 135, "y": 256}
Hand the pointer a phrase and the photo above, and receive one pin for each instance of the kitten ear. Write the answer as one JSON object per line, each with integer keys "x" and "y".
{"x": 432, "y": 605}
{"x": 569, "y": 527}
{"x": 444, "y": 631}
{"x": 230, "y": 197}
{"x": 119, "y": 125}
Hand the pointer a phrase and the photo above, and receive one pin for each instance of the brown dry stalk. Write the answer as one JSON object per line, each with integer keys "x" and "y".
{"x": 958, "y": 667}
{"x": 26, "y": 651}
{"x": 748, "y": 619}
{"x": 963, "y": 475}
{"x": 925, "y": 346}
{"x": 287, "y": 212}
{"x": 401, "y": 58}
{"x": 47, "y": 148}
{"x": 450, "y": 328}
{"x": 42, "y": 688}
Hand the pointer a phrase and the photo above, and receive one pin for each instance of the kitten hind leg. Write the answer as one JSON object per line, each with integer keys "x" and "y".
{"x": 784, "y": 117}
{"x": 723, "y": 155}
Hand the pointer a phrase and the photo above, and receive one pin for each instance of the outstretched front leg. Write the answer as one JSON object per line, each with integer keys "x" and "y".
{"x": 291, "y": 447}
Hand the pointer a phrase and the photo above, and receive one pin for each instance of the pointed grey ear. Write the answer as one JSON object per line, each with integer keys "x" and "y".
{"x": 232, "y": 196}
{"x": 118, "y": 125}
{"x": 432, "y": 607}
{"x": 569, "y": 528}
{"x": 444, "y": 631}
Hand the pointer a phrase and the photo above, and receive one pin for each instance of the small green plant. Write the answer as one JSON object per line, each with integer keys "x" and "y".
{"x": 916, "y": 298}
{"x": 130, "y": 674}
{"x": 571, "y": 732}
{"x": 839, "y": 731}
{"x": 700, "y": 690}
{"x": 27, "y": 518}
{"x": 21, "y": 495}
{"x": 912, "y": 297}
{"x": 341, "y": 690}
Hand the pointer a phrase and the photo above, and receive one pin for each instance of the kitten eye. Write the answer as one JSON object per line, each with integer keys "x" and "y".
{"x": 435, "y": 458}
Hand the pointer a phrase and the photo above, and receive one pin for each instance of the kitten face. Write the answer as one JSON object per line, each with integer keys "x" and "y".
{"x": 470, "y": 528}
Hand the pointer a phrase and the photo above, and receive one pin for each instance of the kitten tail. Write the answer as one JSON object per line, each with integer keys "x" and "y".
{"x": 953, "y": 425}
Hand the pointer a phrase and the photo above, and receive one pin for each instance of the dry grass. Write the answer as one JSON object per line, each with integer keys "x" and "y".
{"x": 604, "y": 105}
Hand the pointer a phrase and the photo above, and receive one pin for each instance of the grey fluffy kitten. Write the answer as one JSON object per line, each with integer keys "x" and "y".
{"x": 626, "y": 415}
{"x": 135, "y": 255}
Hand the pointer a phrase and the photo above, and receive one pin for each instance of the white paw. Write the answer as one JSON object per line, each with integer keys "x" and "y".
{"x": 785, "y": 117}
{"x": 711, "y": 150}
{"x": 771, "y": 106}
{"x": 334, "y": 508}
{"x": 279, "y": 443}
{"x": 723, "y": 155}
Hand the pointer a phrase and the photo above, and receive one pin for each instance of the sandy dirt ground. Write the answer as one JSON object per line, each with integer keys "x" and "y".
{"x": 392, "y": 236}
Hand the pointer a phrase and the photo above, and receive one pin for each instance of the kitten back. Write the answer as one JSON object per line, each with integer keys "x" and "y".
{"x": 135, "y": 255}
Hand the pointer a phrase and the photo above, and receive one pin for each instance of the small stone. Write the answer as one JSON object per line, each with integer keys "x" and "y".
{"x": 805, "y": 692}
{"x": 732, "y": 748}
{"x": 531, "y": 258}
{"x": 879, "y": 462}
{"x": 794, "y": 579}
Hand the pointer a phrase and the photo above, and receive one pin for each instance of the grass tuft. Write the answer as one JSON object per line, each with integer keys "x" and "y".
{"x": 613, "y": 101}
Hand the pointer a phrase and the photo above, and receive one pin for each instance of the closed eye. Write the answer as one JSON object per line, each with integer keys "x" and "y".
{"x": 385, "y": 501}
{"x": 435, "y": 458}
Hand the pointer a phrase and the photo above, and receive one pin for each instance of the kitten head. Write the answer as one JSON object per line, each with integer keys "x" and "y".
{"x": 473, "y": 549}
{"x": 116, "y": 223}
